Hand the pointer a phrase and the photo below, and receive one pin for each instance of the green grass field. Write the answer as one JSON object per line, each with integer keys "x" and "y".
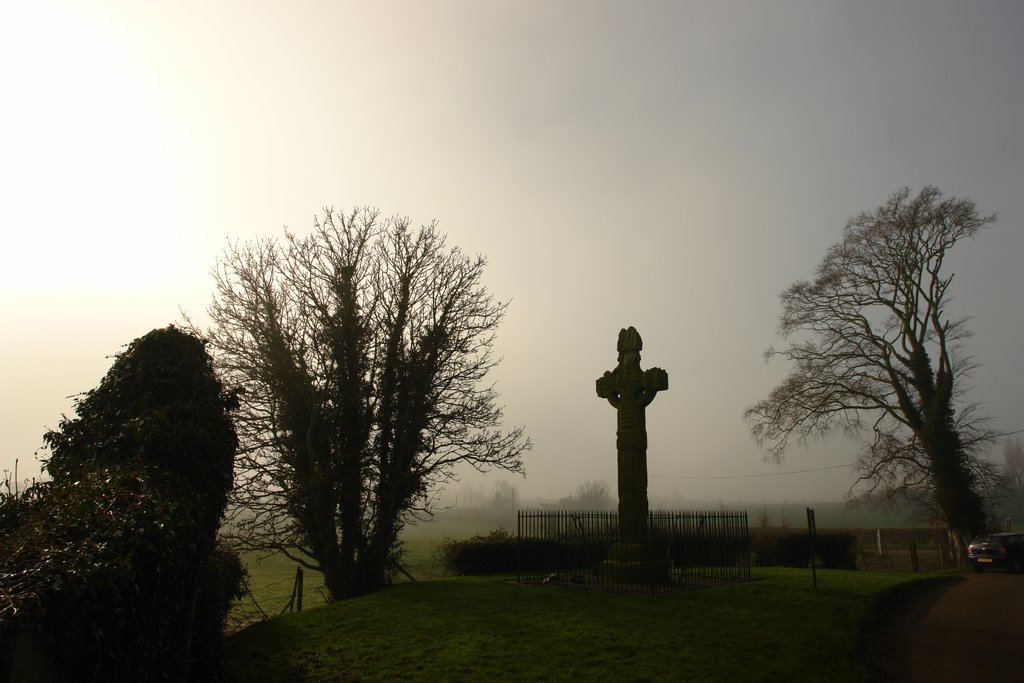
{"x": 271, "y": 580}
{"x": 776, "y": 628}
{"x": 484, "y": 628}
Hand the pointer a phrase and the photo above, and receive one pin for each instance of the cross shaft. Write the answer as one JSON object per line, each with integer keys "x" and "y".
{"x": 630, "y": 390}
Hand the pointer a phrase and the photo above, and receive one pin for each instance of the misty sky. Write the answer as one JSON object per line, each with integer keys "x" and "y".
{"x": 671, "y": 166}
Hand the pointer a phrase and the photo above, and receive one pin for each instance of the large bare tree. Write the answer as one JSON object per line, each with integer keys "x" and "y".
{"x": 590, "y": 495}
{"x": 362, "y": 352}
{"x": 877, "y": 355}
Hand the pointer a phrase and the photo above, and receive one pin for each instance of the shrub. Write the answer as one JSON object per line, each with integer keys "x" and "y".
{"x": 834, "y": 550}
{"x": 104, "y": 565}
{"x": 222, "y": 580}
{"x": 494, "y": 553}
{"x": 159, "y": 404}
{"x": 696, "y": 550}
{"x": 101, "y": 573}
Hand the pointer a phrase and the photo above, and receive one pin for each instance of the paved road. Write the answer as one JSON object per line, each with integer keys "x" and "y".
{"x": 972, "y": 630}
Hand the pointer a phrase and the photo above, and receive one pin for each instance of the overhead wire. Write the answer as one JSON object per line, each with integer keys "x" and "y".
{"x": 752, "y": 476}
{"x": 784, "y": 474}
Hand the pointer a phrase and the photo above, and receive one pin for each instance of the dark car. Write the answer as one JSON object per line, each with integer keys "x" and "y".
{"x": 997, "y": 550}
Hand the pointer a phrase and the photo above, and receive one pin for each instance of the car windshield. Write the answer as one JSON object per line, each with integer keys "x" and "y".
{"x": 986, "y": 540}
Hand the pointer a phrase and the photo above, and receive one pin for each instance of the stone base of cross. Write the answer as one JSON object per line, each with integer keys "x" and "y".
{"x": 634, "y": 563}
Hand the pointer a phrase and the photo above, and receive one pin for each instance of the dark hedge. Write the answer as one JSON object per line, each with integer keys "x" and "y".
{"x": 110, "y": 569}
{"x": 495, "y": 553}
{"x": 834, "y": 550}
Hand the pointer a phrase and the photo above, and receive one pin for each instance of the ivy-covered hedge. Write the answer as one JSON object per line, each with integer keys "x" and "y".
{"x": 498, "y": 552}
{"x": 495, "y": 553}
{"x": 223, "y": 580}
{"x": 110, "y": 569}
{"x": 161, "y": 405}
{"x": 99, "y": 574}
{"x": 833, "y": 550}
{"x": 693, "y": 550}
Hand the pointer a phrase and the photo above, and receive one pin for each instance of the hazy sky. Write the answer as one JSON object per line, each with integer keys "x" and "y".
{"x": 671, "y": 166}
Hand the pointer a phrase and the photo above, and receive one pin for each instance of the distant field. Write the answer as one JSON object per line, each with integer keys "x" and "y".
{"x": 271, "y": 582}
{"x": 271, "y": 579}
{"x": 776, "y": 628}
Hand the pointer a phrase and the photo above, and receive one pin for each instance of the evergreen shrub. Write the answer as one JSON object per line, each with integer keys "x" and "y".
{"x": 495, "y": 553}
{"x": 111, "y": 567}
{"x": 834, "y": 550}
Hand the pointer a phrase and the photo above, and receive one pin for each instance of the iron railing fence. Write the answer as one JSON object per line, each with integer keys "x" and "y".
{"x": 676, "y": 551}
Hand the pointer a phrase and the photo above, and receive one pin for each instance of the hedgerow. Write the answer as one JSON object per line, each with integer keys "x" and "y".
{"x": 491, "y": 554}
{"x": 832, "y": 550}
{"x": 110, "y": 569}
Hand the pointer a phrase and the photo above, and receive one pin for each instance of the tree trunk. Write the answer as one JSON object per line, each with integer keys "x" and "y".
{"x": 951, "y": 475}
{"x": 961, "y": 505}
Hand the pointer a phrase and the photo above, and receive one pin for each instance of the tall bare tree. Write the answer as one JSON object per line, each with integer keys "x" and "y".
{"x": 877, "y": 355}
{"x": 503, "y": 497}
{"x": 362, "y": 351}
{"x": 591, "y": 495}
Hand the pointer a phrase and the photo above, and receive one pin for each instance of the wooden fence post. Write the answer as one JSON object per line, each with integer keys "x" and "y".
{"x": 812, "y": 530}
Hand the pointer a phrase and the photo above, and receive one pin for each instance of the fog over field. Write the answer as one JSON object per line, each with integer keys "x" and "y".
{"x": 667, "y": 165}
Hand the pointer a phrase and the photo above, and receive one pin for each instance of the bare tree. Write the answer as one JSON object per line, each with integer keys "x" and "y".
{"x": 591, "y": 495}
{"x": 1013, "y": 465}
{"x": 362, "y": 351}
{"x": 877, "y": 356}
{"x": 504, "y": 496}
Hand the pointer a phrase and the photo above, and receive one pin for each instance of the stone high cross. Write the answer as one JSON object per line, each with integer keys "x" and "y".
{"x": 630, "y": 390}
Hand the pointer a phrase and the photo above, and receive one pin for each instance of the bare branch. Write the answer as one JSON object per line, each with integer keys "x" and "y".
{"x": 362, "y": 351}
{"x": 874, "y": 351}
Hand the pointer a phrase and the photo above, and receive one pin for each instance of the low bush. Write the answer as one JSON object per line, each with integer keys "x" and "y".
{"x": 694, "y": 550}
{"x": 833, "y": 550}
{"x": 495, "y": 553}
{"x": 223, "y": 580}
{"x": 100, "y": 575}
{"x": 499, "y": 552}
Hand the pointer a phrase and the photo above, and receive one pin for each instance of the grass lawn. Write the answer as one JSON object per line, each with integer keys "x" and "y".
{"x": 776, "y": 628}
{"x": 271, "y": 580}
